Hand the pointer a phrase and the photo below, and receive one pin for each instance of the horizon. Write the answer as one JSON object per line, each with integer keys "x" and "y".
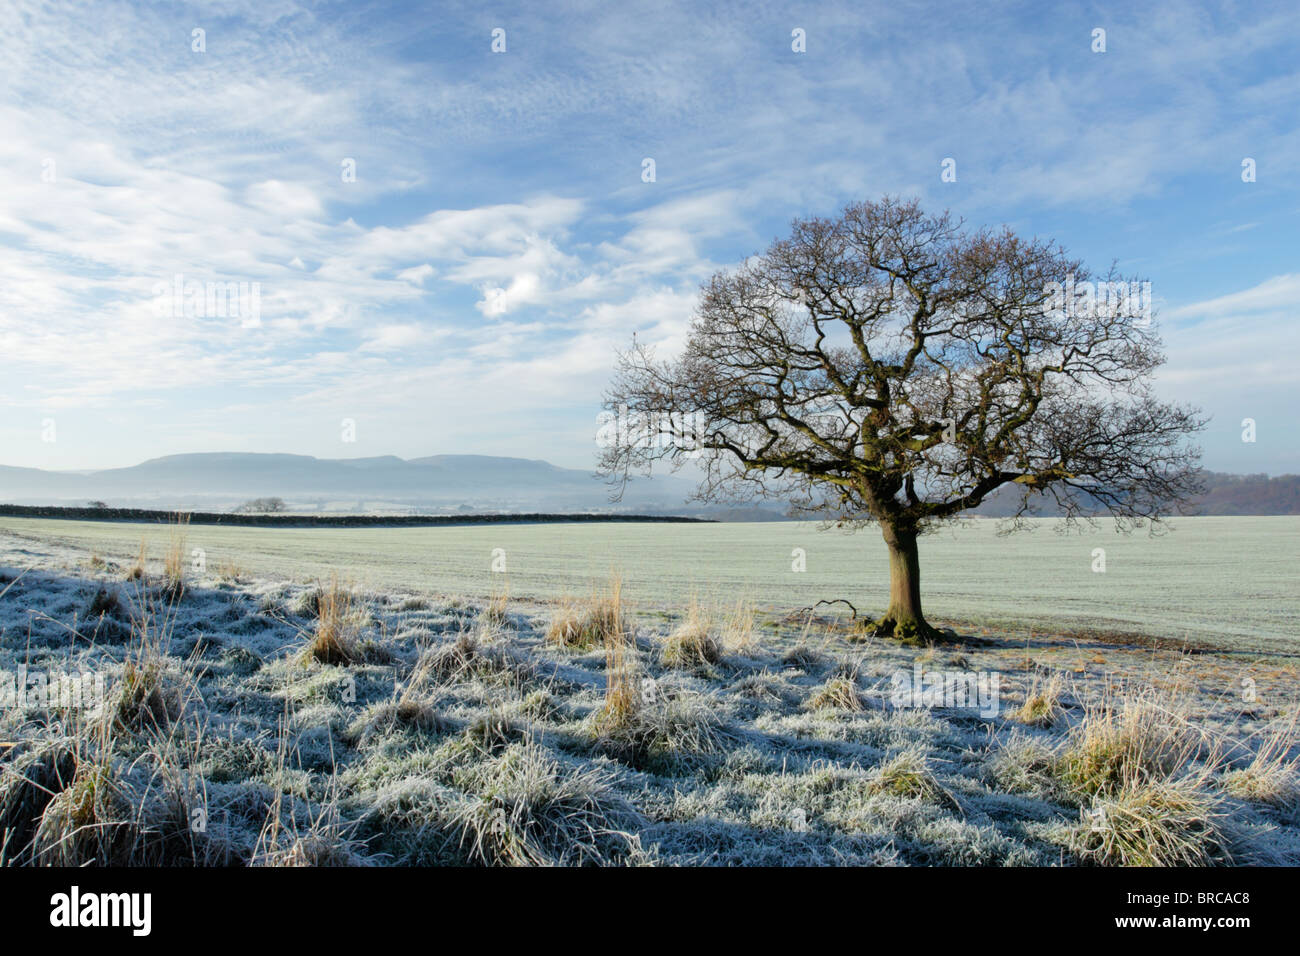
{"x": 416, "y": 458}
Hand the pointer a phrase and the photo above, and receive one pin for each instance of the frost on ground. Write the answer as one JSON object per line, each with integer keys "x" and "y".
{"x": 266, "y": 722}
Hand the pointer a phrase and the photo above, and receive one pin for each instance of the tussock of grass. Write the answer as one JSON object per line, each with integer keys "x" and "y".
{"x": 692, "y": 645}
{"x": 138, "y": 570}
{"x": 27, "y": 784}
{"x": 334, "y": 639}
{"x": 291, "y": 837}
{"x": 1142, "y": 737}
{"x": 322, "y": 840}
{"x": 111, "y": 813}
{"x": 228, "y": 570}
{"x": 89, "y": 821}
{"x": 582, "y": 626}
{"x": 1024, "y": 764}
{"x": 1042, "y": 705}
{"x": 907, "y": 774}
{"x": 803, "y": 656}
{"x": 764, "y": 687}
{"x": 738, "y": 635}
{"x": 657, "y": 731}
{"x": 622, "y": 695}
{"x": 401, "y": 713}
{"x": 497, "y": 610}
{"x": 838, "y": 693}
{"x": 412, "y": 709}
{"x": 645, "y": 727}
{"x": 540, "y": 705}
{"x": 492, "y": 732}
{"x": 150, "y": 694}
{"x": 1152, "y": 823}
{"x": 527, "y": 810}
{"x": 174, "y": 559}
{"x": 1273, "y": 776}
{"x": 466, "y": 658}
{"x": 106, "y": 601}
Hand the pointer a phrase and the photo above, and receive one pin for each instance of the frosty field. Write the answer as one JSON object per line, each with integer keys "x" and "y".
{"x": 1229, "y": 582}
{"x": 242, "y": 713}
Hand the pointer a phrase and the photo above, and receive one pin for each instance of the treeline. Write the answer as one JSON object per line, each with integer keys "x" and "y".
{"x": 1224, "y": 495}
{"x": 312, "y": 521}
{"x": 1249, "y": 495}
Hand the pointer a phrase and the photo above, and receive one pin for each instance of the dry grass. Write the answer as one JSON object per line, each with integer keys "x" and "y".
{"x": 115, "y": 812}
{"x": 1146, "y": 736}
{"x": 692, "y": 644}
{"x": 838, "y": 693}
{"x": 319, "y": 838}
{"x": 150, "y": 694}
{"x": 333, "y": 640}
{"x": 1273, "y": 776}
{"x": 582, "y": 626}
{"x": 410, "y": 709}
{"x": 647, "y": 728}
{"x": 1042, "y": 705}
{"x": 228, "y": 570}
{"x": 174, "y": 559}
{"x": 622, "y": 695}
{"x": 738, "y": 634}
{"x": 496, "y": 610}
{"x": 27, "y": 785}
{"x": 1152, "y": 823}
{"x": 105, "y": 601}
{"x": 138, "y": 570}
{"x": 466, "y": 658}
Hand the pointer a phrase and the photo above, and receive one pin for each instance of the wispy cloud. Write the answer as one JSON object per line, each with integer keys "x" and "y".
{"x": 466, "y": 289}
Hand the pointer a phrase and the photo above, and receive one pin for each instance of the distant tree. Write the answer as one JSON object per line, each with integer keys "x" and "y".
{"x": 261, "y": 506}
{"x": 97, "y": 505}
{"x": 887, "y": 366}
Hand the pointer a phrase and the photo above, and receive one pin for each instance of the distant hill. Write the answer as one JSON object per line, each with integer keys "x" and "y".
{"x": 221, "y": 480}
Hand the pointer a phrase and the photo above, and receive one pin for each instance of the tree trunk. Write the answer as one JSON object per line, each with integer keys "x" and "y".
{"x": 903, "y": 619}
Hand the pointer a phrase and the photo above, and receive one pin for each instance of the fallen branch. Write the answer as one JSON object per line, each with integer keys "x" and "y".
{"x": 814, "y": 607}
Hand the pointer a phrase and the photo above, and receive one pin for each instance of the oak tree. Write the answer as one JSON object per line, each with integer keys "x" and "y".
{"x": 894, "y": 367}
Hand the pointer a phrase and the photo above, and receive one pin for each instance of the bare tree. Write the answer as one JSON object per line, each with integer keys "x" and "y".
{"x": 890, "y": 366}
{"x": 262, "y": 506}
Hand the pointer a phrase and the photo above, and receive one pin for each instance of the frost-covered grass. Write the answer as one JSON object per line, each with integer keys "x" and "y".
{"x": 267, "y": 720}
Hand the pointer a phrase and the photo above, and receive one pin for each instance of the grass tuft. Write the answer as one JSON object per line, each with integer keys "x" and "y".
{"x": 1152, "y": 823}
{"x": 692, "y": 645}
{"x": 334, "y": 638}
{"x": 1273, "y": 776}
{"x": 582, "y": 626}
{"x": 1142, "y": 737}
{"x": 1042, "y": 705}
{"x": 838, "y": 693}
{"x": 528, "y": 810}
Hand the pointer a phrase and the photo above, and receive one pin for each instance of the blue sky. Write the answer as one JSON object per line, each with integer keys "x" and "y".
{"x": 467, "y": 292}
